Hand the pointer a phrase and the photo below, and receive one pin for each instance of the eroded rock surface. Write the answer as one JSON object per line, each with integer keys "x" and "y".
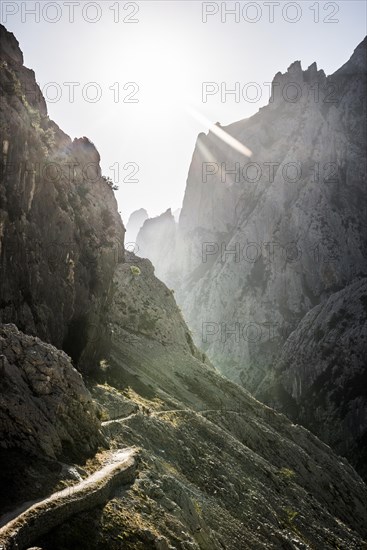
{"x": 45, "y": 408}
{"x": 155, "y": 241}
{"x": 60, "y": 231}
{"x": 320, "y": 379}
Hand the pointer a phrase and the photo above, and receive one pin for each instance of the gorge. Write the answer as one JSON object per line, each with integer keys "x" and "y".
{"x": 105, "y": 390}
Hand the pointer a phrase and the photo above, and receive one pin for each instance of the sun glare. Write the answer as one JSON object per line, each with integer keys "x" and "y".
{"x": 163, "y": 74}
{"x": 220, "y": 133}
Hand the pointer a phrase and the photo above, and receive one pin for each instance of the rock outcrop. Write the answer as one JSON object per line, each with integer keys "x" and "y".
{"x": 47, "y": 417}
{"x": 263, "y": 240}
{"x": 45, "y": 408}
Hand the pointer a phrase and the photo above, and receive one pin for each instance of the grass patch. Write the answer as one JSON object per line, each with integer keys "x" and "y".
{"x": 287, "y": 474}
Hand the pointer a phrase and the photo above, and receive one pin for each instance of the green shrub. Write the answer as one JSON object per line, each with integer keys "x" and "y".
{"x": 135, "y": 270}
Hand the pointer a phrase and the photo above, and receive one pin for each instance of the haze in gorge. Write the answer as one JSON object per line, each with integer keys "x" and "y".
{"x": 198, "y": 379}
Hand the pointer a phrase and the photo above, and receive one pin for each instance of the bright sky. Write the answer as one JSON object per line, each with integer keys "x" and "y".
{"x": 166, "y": 51}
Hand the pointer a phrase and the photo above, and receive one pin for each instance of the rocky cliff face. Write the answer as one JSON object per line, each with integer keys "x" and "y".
{"x": 219, "y": 469}
{"x": 155, "y": 241}
{"x": 283, "y": 244}
{"x": 263, "y": 240}
{"x": 320, "y": 377}
{"x": 134, "y": 225}
{"x": 45, "y": 409}
{"x": 46, "y": 415}
{"x": 60, "y": 239}
{"x": 60, "y": 232}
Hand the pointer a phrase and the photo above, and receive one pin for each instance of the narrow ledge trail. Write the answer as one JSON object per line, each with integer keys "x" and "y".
{"x": 31, "y": 520}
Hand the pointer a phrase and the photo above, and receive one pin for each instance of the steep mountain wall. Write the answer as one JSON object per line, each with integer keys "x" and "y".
{"x": 60, "y": 233}
{"x": 320, "y": 378}
{"x": 294, "y": 242}
{"x": 263, "y": 240}
{"x": 60, "y": 240}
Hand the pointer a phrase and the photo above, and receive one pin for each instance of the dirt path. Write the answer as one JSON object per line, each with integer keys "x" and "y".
{"x": 119, "y": 419}
{"x": 22, "y": 526}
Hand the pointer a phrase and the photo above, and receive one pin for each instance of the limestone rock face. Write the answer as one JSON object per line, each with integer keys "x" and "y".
{"x": 45, "y": 408}
{"x": 320, "y": 377}
{"x": 12, "y": 56}
{"x": 134, "y": 225}
{"x": 263, "y": 240}
{"x": 280, "y": 245}
{"x": 60, "y": 233}
{"x": 156, "y": 241}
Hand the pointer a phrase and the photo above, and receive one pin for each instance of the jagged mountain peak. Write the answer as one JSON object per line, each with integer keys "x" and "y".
{"x": 295, "y": 68}
{"x": 10, "y": 47}
{"x": 135, "y": 223}
{"x": 139, "y": 212}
